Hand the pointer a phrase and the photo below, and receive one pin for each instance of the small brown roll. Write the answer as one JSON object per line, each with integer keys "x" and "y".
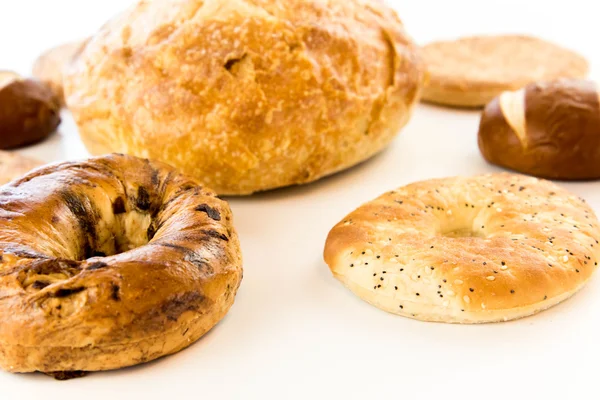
{"x": 548, "y": 129}
{"x": 28, "y": 111}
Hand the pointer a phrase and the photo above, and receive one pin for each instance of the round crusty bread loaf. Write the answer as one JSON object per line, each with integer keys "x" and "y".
{"x": 247, "y": 95}
{"x": 470, "y": 71}
{"x": 467, "y": 250}
{"x": 547, "y": 129}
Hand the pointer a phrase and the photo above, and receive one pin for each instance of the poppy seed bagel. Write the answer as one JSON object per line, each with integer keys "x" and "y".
{"x": 467, "y": 250}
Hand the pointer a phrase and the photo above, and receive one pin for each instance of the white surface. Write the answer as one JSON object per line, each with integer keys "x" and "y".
{"x": 294, "y": 331}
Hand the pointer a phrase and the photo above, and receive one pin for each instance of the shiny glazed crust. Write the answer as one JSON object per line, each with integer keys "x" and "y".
{"x": 110, "y": 262}
{"x": 548, "y": 129}
{"x": 467, "y": 250}
{"x": 471, "y": 71}
{"x": 13, "y": 165}
{"x": 247, "y": 95}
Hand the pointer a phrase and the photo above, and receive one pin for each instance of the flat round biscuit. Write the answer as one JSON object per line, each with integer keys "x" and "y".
{"x": 471, "y": 71}
{"x": 13, "y": 165}
{"x": 467, "y": 250}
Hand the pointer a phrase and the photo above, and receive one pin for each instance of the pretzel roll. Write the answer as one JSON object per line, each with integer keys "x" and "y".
{"x": 108, "y": 263}
{"x": 467, "y": 250}
{"x": 549, "y": 129}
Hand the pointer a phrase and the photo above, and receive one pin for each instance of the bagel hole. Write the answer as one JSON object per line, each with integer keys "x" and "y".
{"x": 101, "y": 234}
{"x": 463, "y": 233}
{"x": 130, "y": 230}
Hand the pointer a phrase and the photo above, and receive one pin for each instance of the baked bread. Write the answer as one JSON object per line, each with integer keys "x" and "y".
{"x": 28, "y": 111}
{"x": 13, "y": 165}
{"x": 547, "y": 129}
{"x": 247, "y": 95}
{"x": 471, "y": 71}
{"x": 467, "y": 250}
{"x": 49, "y": 67}
{"x": 110, "y": 262}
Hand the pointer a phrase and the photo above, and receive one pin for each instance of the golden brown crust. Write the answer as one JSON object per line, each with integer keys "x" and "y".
{"x": 247, "y": 95}
{"x": 28, "y": 111}
{"x": 13, "y": 165}
{"x": 471, "y": 71}
{"x": 50, "y": 65}
{"x": 110, "y": 262}
{"x": 553, "y": 131}
{"x": 481, "y": 249}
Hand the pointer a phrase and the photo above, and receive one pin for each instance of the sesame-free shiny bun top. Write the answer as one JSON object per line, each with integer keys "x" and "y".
{"x": 247, "y": 95}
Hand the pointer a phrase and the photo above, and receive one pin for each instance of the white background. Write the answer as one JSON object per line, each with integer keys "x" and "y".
{"x": 295, "y": 332}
